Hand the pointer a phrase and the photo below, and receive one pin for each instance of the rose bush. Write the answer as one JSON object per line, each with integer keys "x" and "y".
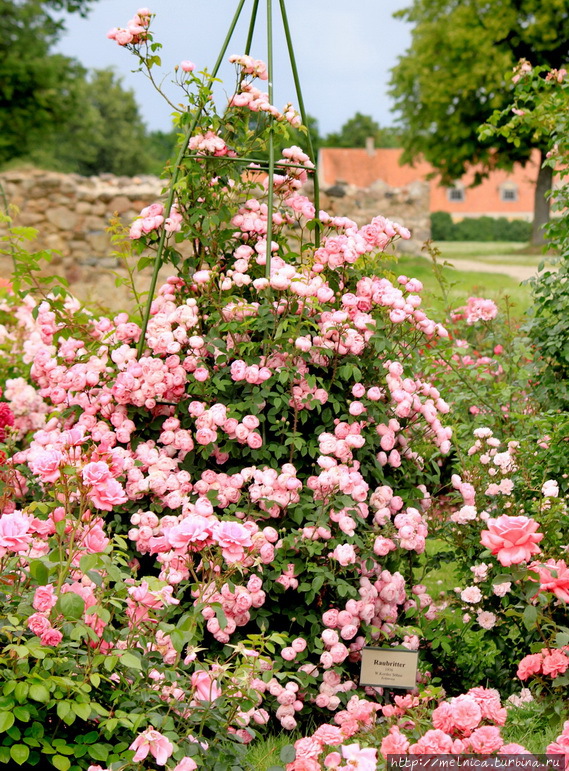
{"x": 209, "y": 507}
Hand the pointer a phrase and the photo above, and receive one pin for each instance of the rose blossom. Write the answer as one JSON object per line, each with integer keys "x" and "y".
{"x": 512, "y": 539}
{"x": 14, "y": 531}
{"x": 38, "y": 624}
{"x": 159, "y": 746}
{"x": 206, "y": 687}
{"x": 44, "y": 598}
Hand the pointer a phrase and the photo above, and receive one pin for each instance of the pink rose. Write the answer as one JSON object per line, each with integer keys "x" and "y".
{"x": 187, "y": 66}
{"x": 395, "y": 743}
{"x": 344, "y": 553}
{"x": 51, "y": 637}
{"x": 466, "y": 713}
{"x": 46, "y": 465}
{"x": 38, "y": 624}
{"x": 512, "y": 539}
{"x": 44, "y": 599}
{"x": 554, "y": 663}
{"x": 109, "y": 495}
{"x": 153, "y": 742}
{"x": 14, "y": 531}
{"x": 530, "y": 665}
{"x": 485, "y": 740}
{"x": 94, "y": 540}
{"x": 95, "y": 473}
{"x": 553, "y": 577}
{"x": 434, "y": 742}
{"x": 193, "y": 533}
{"x": 206, "y": 687}
{"x": 233, "y": 538}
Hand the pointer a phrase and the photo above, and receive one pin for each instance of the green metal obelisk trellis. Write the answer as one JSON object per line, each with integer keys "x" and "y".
{"x": 271, "y": 153}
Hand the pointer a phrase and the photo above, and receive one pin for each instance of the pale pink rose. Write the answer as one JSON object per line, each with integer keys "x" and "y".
{"x": 486, "y": 619}
{"x": 255, "y": 441}
{"x": 395, "y": 743}
{"x": 434, "y": 742}
{"x": 332, "y": 760}
{"x": 328, "y": 734}
{"x": 187, "y": 66}
{"x": 38, "y": 624}
{"x": 108, "y": 495}
{"x": 206, "y": 687}
{"x": 288, "y": 654}
{"x": 485, "y": 740}
{"x": 466, "y": 713}
{"x": 233, "y": 538}
{"x": 153, "y": 742}
{"x": 44, "y": 598}
{"x": 363, "y": 759}
{"x": 307, "y": 747}
{"x": 512, "y": 539}
{"x": 14, "y": 531}
{"x": 344, "y": 553}
{"x": 95, "y": 473}
{"x": 471, "y": 594}
{"x": 46, "y": 465}
{"x": 192, "y": 533}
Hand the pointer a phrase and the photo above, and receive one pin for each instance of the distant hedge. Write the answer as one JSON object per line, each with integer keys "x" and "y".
{"x": 478, "y": 228}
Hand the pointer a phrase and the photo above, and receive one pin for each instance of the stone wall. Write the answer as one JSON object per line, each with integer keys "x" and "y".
{"x": 71, "y": 214}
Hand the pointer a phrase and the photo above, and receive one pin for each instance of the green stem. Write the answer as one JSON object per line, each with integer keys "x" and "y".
{"x": 175, "y": 175}
{"x": 271, "y": 177}
{"x": 303, "y": 115}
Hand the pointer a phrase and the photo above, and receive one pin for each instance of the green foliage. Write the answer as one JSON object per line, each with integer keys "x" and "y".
{"x": 541, "y": 105}
{"x": 456, "y": 74}
{"x": 36, "y": 87}
{"x": 478, "y": 228}
{"x": 104, "y": 134}
{"x": 358, "y": 129}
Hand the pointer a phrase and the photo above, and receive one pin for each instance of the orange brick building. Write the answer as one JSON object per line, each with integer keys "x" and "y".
{"x": 502, "y": 194}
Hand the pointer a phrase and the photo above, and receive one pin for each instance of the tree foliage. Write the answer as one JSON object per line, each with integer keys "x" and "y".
{"x": 358, "y": 129}
{"x": 456, "y": 73}
{"x": 36, "y": 87}
{"x": 105, "y": 133}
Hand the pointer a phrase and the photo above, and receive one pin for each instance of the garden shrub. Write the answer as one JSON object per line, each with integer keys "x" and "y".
{"x": 209, "y": 507}
{"x": 443, "y": 228}
{"x": 540, "y": 103}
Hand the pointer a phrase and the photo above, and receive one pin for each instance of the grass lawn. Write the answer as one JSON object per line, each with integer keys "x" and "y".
{"x": 463, "y": 284}
{"x": 492, "y": 252}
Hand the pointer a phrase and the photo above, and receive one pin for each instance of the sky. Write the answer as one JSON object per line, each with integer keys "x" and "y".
{"x": 344, "y": 51}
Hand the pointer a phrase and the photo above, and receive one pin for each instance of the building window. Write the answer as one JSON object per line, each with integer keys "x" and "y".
{"x": 455, "y": 194}
{"x": 508, "y": 193}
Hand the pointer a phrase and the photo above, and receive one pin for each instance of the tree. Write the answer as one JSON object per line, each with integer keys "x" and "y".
{"x": 356, "y": 131}
{"x": 105, "y": 133}
{"x": 36, "y": 87}
{"x": 457, "y": 72}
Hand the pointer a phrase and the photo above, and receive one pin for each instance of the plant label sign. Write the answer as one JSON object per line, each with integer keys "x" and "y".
{"x": 389, "y": 667}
